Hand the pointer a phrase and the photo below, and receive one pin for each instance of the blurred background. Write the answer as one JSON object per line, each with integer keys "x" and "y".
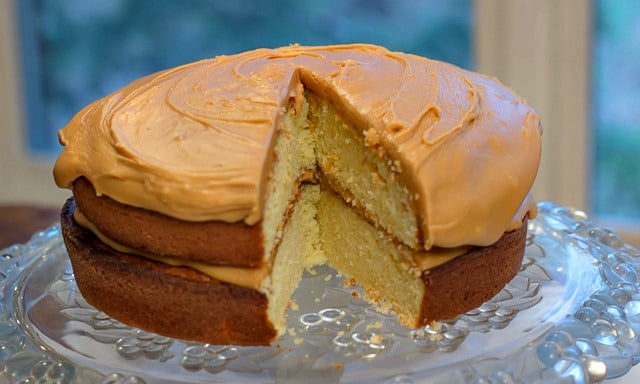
{"x": 576, "y": 61}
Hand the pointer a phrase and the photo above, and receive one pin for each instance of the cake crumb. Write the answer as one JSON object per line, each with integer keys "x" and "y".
{"x": 327, "y": 278}
{"x": 293, "y": 305}
{"x": 350, "y": 282}
{"x": 376, "y": 325}
{"x": 371, "y": 138}
{"x": 397, "y": 166}
{"x": 298, "y": 340}
{"x": 373, "y": 296}
{"x": 384, "y": 307}
{"x": 376, "y": 339}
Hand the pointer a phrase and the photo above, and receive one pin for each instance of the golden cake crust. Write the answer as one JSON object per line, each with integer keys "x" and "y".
{"x": 173, "y": 301}
{"x": 213, "y": 242}
{"x": 469, "y": 280}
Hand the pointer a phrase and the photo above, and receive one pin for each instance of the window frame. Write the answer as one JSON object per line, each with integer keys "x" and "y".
{"x": 551, "y": 40}
{"x": 21, "y": 172}
{"x": 545, "y": 56}
{"x": 546, "y": 38}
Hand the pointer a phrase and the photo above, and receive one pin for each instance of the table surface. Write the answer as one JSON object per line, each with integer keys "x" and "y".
{"x": 19, "y": 222}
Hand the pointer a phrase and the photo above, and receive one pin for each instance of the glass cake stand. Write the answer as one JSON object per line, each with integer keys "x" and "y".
{"x": 570, "y": 315}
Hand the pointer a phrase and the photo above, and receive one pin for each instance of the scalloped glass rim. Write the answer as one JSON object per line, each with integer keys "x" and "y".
{"x": 572, "y": 313}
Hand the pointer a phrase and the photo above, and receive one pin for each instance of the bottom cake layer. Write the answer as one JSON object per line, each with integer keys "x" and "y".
{"x": 183, "y": 303}
{"x": 173, "y": 301}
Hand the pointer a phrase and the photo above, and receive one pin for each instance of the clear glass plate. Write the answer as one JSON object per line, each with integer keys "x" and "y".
{"x": 570, "y": 315}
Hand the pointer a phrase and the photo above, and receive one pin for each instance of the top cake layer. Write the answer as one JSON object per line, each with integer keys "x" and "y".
{"x": 195, "y": 142}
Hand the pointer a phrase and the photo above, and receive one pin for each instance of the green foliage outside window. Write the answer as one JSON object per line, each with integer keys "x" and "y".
{"x": 616, "y": 109}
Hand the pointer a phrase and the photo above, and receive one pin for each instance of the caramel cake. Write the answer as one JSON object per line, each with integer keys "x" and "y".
{"x": 201, "y": 193}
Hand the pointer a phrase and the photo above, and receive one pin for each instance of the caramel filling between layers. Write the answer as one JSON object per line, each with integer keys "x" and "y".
{"x": 253, "y": 277}
{"x": 244, "y": 277}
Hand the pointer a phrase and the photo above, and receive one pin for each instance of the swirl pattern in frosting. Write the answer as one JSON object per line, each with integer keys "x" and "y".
{"x": 194, "y": 142}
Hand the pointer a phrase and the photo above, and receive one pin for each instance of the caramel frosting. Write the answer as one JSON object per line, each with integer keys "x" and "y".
{"x": 194, "y": 142}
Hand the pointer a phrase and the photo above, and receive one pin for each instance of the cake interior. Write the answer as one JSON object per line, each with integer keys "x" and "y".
{"x": 299, "y": 248}
{"x": 360, "y": 175}
{"x": 358, "y": 216}
{"x": 359, "y": 250}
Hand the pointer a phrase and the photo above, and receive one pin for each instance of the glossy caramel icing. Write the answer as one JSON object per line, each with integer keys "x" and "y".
{"x": 194, "y": 142}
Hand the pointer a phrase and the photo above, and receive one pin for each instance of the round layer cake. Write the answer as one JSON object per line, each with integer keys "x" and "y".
{"x": 201, "y": 193}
